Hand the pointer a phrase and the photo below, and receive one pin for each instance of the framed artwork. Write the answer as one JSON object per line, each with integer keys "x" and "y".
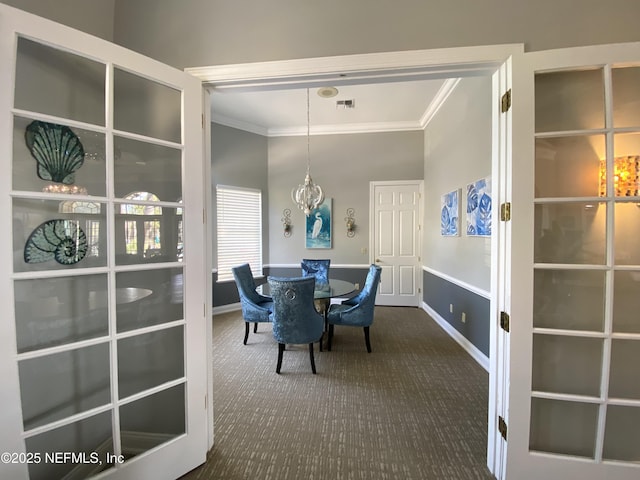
{"x": 450, "y": 214}
{"x": 318, "y": 232}
{"x": 479, "y": 208}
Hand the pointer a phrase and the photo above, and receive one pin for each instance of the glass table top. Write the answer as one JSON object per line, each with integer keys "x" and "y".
{"x": 336, "y": 288}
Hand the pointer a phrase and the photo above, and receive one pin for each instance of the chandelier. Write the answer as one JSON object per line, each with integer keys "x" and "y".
{"x": 307, "y": 196}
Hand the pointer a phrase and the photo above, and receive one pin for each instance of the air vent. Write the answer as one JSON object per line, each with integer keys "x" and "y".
{"x": 345, "y": 104}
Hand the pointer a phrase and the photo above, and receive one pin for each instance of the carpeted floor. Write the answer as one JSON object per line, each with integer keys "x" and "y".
{"x": 414, "y": 408}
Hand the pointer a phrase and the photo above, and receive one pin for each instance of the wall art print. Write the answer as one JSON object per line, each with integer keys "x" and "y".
{"x": 479, "y": 206}
{"x": 450, "y": 214}
{"x": 318, "y": 231}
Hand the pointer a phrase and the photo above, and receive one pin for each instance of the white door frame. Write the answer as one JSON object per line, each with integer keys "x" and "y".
{"x": 385, "y": 67}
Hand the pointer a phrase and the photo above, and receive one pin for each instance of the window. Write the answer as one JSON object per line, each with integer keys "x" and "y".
{"x": 239, "y": 214}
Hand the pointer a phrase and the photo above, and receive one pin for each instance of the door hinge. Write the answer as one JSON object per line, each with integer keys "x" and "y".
{"x": 505, "y": 101}
{"x": 504, "y": 321}
{"x": 502, "y": 427}
{"x": 202, "y": 121}
{"x": 419, "y": 290}
{"x": 505, "y": 211}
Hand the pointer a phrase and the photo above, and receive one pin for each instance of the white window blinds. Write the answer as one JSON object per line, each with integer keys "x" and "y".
{"x": 239, "y": 214}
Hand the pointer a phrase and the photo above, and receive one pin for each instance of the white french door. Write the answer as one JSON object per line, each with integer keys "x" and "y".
{"x": 574, "y": 399}
{"x": 395, "y": 241}
{"x": 102, "y": 345}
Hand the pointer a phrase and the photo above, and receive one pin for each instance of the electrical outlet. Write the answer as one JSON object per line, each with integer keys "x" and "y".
{"x": 357, "y": 286}
{"x": 363, "y": 250}
{"x": 451, "y": 308}
{"x": 464, "y": 317}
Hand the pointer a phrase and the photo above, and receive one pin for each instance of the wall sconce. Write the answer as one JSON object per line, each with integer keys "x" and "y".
{"x": 626, "y": 176}
{"x": 286, "y": 222}
{"x": 351, "y": 222}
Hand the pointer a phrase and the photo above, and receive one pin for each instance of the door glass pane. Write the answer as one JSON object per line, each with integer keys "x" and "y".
{"x": 627, "y": 228}
{"x": 91, "y": 437}
{"x": 626, "y": 302}
{"x": 563, "y": 364}
{"x": 626, "y": 96}
{"x": 157, "y": 419}
{"x": 563, "y": 427}
{"x": 150, "y": 359}
{"x": 623, "y": 377}
{"x": 146, "y": 107}
{"x": 569, "y": 299}
{"x": 149, "y": 297}
{"x": 622, "y": 434}
{"x": 70, "y": 158}
{"x": 57, "y": 311}
{"x": 58, "y": 83}
{"x": 56, "y": 386}
{"x": 569, "y": 100}
{"x": 55, "y": 234}
{"x": 568, "y": 166}
{"x": 570, "y": 233}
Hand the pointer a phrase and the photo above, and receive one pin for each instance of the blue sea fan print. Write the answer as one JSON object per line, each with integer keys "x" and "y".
{"x": 449, "y": 214}
{"x": 479, "y": 208}
{"x": 444, "y": 221}
{"x": 472, "y": 198}
{"x": 483, "y": 217}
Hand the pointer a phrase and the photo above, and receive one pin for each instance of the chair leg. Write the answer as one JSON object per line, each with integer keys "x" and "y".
{"x": 313, "y": 363}
{"x": 255, "y": 327}
{"x": 280, "y": 350}
{"x": 366, "y": 339}
{"x": 246, "y": 332}
{"x": 320, "y": 341}
{"x": 330, "y": 339}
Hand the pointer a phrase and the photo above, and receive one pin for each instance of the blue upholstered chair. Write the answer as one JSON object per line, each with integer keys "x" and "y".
{"x": 357, "y": 311}
{"x": 318, "y": 269}
{"x": 255, "y": 307}
{"x": 294, "y": 318}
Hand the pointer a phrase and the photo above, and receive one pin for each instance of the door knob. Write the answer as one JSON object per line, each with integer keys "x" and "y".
{"x": 377, "y": 260}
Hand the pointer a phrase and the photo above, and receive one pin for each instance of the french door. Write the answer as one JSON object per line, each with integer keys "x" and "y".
{"x": 102, "y": 345}
{"x": 574, "y": 403}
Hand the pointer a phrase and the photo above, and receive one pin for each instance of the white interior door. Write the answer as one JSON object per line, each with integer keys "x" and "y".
{"x": 102, "y": 345}
{"x": 395, "y": 238}
{"x": 574, "y": 400}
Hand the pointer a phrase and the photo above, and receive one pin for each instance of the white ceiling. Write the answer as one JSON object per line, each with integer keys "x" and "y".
{"x": 378, "y": 107}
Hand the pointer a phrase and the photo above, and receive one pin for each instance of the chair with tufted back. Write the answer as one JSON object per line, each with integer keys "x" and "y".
{"x": 255, "y": 307}
{"x": 318, "y": 269}
{"x": 357, "y": 311}
{"x": 294, "y": 318}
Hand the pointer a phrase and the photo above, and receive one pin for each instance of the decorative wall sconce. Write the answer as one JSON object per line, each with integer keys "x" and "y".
{"x": 286, "y": 222}
{"x": 351, "y": 222}
{"x": 626, "y": 176}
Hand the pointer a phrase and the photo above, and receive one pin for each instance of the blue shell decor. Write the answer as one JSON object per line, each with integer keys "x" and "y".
{"x": 57, "y": 150}
{"x": 60, "y": 240}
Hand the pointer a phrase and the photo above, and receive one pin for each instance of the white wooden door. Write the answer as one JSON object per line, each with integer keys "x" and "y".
{"x": 574, "y": 389}
{"x": 395, "y": 241}
{"x": 102, "y": 345}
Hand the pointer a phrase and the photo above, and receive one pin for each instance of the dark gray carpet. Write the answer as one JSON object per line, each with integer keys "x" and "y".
{"x": 414, "y": 408}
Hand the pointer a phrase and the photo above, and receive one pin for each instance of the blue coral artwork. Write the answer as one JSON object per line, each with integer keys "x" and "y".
{"x": 479, "y": 208}
{"x": 450, "y": 214}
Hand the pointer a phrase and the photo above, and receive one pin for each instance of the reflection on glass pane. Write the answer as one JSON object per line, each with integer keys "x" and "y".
{"x": 160, "y": 416}
{"x": 569, "y": 100}
{"x": 154, "y": 297}
{"x": 53, "y": 234}
{"x": 28, "y": 175}
{"x": 624, "y": 380}
{"x": 59, "y": 83}
{"x": 563, "y": 364}
{"x": 626, "y": 231}
{"x": 626, "y": 165}
{"x": 62, "y": 384}
{"x": 570, "y": 233}
{"x": 146, "y": 107}
{"x": 563, "y": 427}
{"x": 568, "y": 299}
{"x": 144, "y": 167}
{"x": 90, "y": 436}
{"x": 622, "y": 434}
{"x": 57, "y": 311}
{"x": 150, "y": 234}
{"x": 626, "y": 96}
{"x": 568, "y": 166}
{"x": 150, "y": 359}
{"x": 626, "y": 302}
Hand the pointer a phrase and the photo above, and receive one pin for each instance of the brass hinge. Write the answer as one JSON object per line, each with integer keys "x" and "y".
{"x": 505, "y": 211}
{"x": 419, "y": 290}
{"x": 502, "y": 427}
{"x": 505, "y": 101}
{"x": 504, "y": 321}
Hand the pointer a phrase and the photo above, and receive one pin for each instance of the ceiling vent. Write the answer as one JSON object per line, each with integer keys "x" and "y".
{"x": 345, "y": 103}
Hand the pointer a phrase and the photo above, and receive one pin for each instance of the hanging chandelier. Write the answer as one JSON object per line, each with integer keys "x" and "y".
{"x": 307, "y": 196}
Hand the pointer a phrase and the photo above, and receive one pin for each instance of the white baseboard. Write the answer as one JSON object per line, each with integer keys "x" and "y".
{"x": 471, "y": 349}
